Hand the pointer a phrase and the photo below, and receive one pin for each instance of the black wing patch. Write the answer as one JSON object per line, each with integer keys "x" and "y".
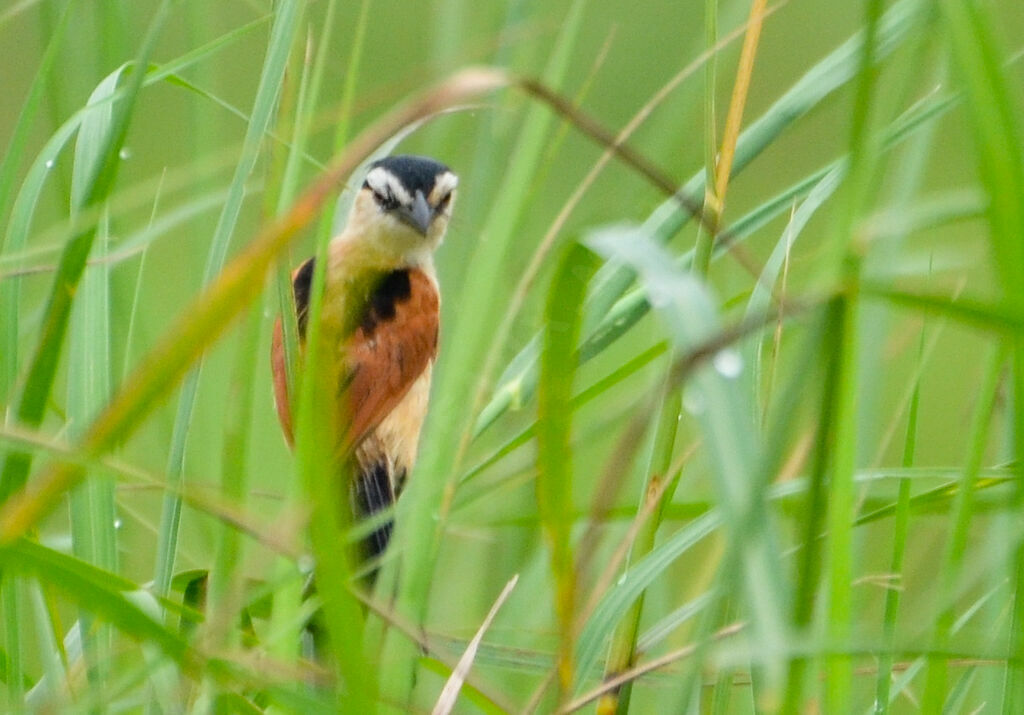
{"x": 301, "y": 286}
{"x": 392, "y": 290}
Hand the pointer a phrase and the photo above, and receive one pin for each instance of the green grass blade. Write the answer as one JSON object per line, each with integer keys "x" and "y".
{"x": 554, "y": 425}
{"x": 96, "y": 185}
{"x": 94, "y": 536}
{"x": 418, "y": 530}
{"x": 730, "y": 438}
{"x": 210, "y": 314}
{"x": 11, "y": 162}
{"x": 840, "y": 439}
{"x": 911, "y": 175}
{"x": 936, "y": 687}
{"x": 995, "y": 119}
{"x": 615, "y": 604}
{"x": 224, "y": 583}
{"x": 622, "y": 654}
{"x": 834, "y": 71}
{"x": 99, "y": 592}
{"x": 281, "y": 37}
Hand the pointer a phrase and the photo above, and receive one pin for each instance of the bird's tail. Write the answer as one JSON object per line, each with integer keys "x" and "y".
{"x": 374, "y": 491}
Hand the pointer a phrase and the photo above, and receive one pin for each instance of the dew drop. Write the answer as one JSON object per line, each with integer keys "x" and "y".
{"x": 693, "y": 400}
{"x": 125, "y": 153}
{"x": 49, "y": 163}
{"x": 117, "y": 523}
{"x": 728, "y": 363}
{"x": 305, "y": 563}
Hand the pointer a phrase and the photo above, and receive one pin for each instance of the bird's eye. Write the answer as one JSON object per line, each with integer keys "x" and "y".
{"x": 385, "y": 201}
{"x": 443, "y": 203}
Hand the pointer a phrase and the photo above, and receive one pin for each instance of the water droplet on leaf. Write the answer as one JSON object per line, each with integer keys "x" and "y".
{"x": 728, "y": 363}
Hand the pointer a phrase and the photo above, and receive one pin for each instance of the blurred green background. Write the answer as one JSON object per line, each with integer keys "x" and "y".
{"x": 183, "y": 142}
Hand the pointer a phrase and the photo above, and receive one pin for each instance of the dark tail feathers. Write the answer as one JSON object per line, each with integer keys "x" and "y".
{"x": 373, "y": 492}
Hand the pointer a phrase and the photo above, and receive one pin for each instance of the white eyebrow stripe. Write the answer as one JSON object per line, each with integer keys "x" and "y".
{"x": 384, "y": 182}
{"x": 444, "y": 184}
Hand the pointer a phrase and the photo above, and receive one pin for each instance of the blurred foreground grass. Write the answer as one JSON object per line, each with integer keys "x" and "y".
{"x": 732, "y": 365}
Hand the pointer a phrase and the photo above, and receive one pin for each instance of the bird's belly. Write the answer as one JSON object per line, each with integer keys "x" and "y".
{"x": 395, "y": 440}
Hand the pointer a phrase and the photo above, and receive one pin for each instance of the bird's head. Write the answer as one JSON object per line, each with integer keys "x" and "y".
{"x": 404, "y": 204}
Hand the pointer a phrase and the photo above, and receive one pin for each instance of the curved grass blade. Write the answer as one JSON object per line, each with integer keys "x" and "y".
{"x": 729, "y": 435}
{"x": 11, "y": 162}
{"x": 450, "y": 693}
{"x": 446, "y": 440}
{"x": 97, "y": 183}
{"x": 100, "y": 592}
{"x": 834, "y": 71}
{"x": 995, "y": 118}
{"x": 23, "y": 210}
{"x": 94, "y": 537}
{"x": 935, "y": 690}
{"x": 981, "y": 315}
{"x": 210, "y": 314}
{"x": 286, "y": 19}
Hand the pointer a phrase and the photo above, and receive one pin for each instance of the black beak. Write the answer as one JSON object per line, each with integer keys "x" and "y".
{"x": 418, "y": 215}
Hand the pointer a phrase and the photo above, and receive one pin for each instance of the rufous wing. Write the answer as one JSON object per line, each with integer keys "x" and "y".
{"x": 393, "y": 344}
{"x": 394, "y": 341}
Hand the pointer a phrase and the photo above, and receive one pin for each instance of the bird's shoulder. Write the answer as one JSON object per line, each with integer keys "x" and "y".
{"x": 394, "y": 342}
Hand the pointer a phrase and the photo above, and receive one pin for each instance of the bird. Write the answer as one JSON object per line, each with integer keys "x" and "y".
{"x": 380, "y": 322}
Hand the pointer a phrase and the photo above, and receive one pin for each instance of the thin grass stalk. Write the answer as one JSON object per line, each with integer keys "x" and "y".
{"x": 287, "y": 600}
{"x": 821, "y": 357}
{"x": 719, "y": 696}
{"x": 995, "y": 119}
{"x": 129, "y": 337}
{"x": 835, "y": 70}
{"x": 93, "y": 515}
{"x": 315, "y": 453}
{"x": 705, "y": 238}
{"x": 844, "y": 432}
{"x": 715, "y": 193}
{"x": 936, "y": 687}
{"x": 1013, "y": 686}
{"x": 622, "y": 655}
{"x": 283, "y": 31}
{"x": 9, "y": 166}
{"x": 901, "y": 528}
{"x": 326, "y": 478}
{"x": 286, "y": 621}
{"x": 715, "y": 201}
{"x": 12, "y": 601}
{"x": 910, "y": 175}
{"x": 224, "y": 596}
{"x": 840, "y": 508}
{"x": 32, "y": 400}
{"x": 428, "y": 498}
